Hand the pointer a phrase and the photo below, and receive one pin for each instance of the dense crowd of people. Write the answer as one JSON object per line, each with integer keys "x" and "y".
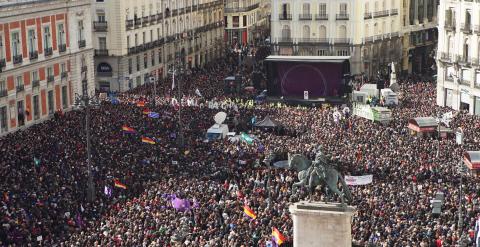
{"x": 44, "y": 172}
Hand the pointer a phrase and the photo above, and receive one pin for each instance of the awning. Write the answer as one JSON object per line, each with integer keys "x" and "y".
{"x": 423, "y": 124}
{"x": 472, "y": 159}
{"x": 268, "y": 123}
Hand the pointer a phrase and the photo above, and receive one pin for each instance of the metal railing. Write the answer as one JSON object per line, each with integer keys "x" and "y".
{"x": 342, "y": 41}
{"x": 17, "y": 59}
{"x": 3, "y": 63}
{"x": 137, "y": 22}
{"x": 48, "y": 51}
{"x": 381, "y": 13}
{"x": 84, "y": 68}
{"x": 3, "y": 93}
{"x": 367, "y": 15}
{"x": 20, "y": 88}
{"x": 394, "y": 12}
{"x": 321, "y": 17}
{"x": 285, "y": 16}
{"x": 101, "y": 52}
{"x": 33, "y": 55}
{"x": 129, "y": 24}
{"x": 153, "y": 19}
{"x": 159, "y": 17}
{"x": 449, "y": 25}
{"x": 64, "y": 74}
{"x": 313, "y": 40}
{"x": 50, "y": 78}
{"x": 368, "y": 39}
{"x": 100, "y": 26}
{"x": 62, "y": 47}
{"x": 342, "y": 16}
{"x": 35, "y": 83}
{"x": 285, "y": 40}
{"x": 132, "y": 50}
{"x": 446, "y": 57}
{"x": 82, "y": 43}
{"x": 305, "y": 16}
{"x": 466, "y": 28}
{"x": 241, "y": 9}
{"x": 145, "y": 21}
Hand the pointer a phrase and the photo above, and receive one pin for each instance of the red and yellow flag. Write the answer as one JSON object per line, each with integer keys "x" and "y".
{"x": 148, "y": 140}
{"x": 249, "y": 212}
{"x": 277, "y": 236}
{"x": 120, "y": 185}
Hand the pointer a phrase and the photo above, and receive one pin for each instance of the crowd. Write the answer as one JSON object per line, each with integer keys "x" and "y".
{"x": 44, "y": 172}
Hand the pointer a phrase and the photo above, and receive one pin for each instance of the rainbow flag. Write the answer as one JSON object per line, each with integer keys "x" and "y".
{"x": 128, "y": 129}
{"x": 120, "y": 185}
{"x": 148, "y": 140}
{"x": 249, "y": 212}
{"x": 146, "y": 111}
{"x": 277, "y": 237}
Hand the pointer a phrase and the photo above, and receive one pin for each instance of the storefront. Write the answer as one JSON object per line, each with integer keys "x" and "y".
{"x": 471, "y": 160}
{"x": 464, "y": 100}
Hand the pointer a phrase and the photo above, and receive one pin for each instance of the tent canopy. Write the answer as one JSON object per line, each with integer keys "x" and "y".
{"x": 268, "y": 122}
{"x": 423, "y": 122}
{"x": 473, "y": 156}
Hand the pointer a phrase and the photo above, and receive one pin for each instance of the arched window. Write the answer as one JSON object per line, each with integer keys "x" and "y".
{"x": 342, "y": 32}
{"x": 392, "y": 26}
{"x": 286, "y": 32}
{"x": 375, "y": 29}
{"x": 451, "y": 45}
{"x": 322, "y": 34}
{"x": 466, "y": 51}
{"x": 306, "y": 32}
{"x": 306, "y": 8}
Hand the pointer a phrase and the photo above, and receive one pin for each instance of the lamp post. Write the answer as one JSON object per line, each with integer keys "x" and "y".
{"x": 85, "y": 102}
{"x": 174, "y": 71}
{"x": 463, "y": 239}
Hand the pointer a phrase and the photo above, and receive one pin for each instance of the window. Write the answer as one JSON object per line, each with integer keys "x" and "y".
{"x": 101, "y": 18}
{"x": 32, "y": 47}
{"x": 236, "y": 21}
{"x": 20, "y": 113}
{"x": 3, "y": 86}
{"x": 2, "y": 56}
{"x": 102, "y": 43}
{"x": 136, "y": 39}
{"x": 138, "y": 63}
{"x": 151, "y": 35}
{"x": 81, "y": 35}
{"x": 153, "y": 58}
{"x": 3, "y": 119}
{"x": 19, "y": 81}
{"x": 49, "y": 71}
{"x": 36, "y": 107}
{"x": 322, "y": 9}
{"x": 130, "y": 66}
{"x": 244, "y": 20}
{"x": 50, "y": 102}
{"x": 64, "y": 97}
{"x": 160, "y": 56}
{"x": 343, "y": 8}
{"x": 35, "y": 75}
{"x": 63, "y": 68}
{"x": 144, "y": 38}
{"x": 158, "y": 34}
{"x": 145, "y": 60}
{"x": 306, "y": 8}
{"x": 16, "y": 44}
{"x": 286, "y": 32}
{"x": 46, "y": 37}
{"x": 61, "y": 34}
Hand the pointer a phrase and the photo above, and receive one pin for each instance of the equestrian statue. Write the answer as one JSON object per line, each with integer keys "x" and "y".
{"x": 311, "y": 174}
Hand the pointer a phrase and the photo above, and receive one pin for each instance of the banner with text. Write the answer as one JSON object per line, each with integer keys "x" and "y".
{"x": 359, "y": 180}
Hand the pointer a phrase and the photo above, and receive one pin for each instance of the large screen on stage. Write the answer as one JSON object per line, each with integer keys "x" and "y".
{"x": 292, "y": 78}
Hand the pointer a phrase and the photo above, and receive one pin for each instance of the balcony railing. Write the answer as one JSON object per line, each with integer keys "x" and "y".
{"x": 466, "y": 28}
{"x": 129, "y": 24}
{"x": 33, "y": 55}
{"x": 137, "y": 22}
{"x": 368, "y": 39}
{"x": 285, "y": 17}
{"x": 342, "y": 16}
{"x": 82, "y": 43}
{"x": 159, "y": 17}
{"x": 62, "y": 47}
{"x": 464, "y": 60}
{"x": 445, "y": 57}
{"x": 449, "y": 26}
{"x": 20, "y": 88}
{"x": 394, "y": 12}
{"x": 285, "y": 40}
{"x": 464, "y": 82}
{"x": 367, "y": 15}
{"x": 35, "y": 83}
{"x": 3, "y": 63}
{"x": 101, "y": 52}
{"x": 3, "y": 93}
{"x": 382, "y": 13}
{"x": 305, "y": 16}
{"x": 313, "y": 41}
{"x": 174, "y": 12}
{"x": 153, "y": 19}
{"x": 229, "y": 9}
{"x": 64, "y": 74}
{"x": 145, "y": 21}
{"x": 321, "y": 17}
{"x": 132, "y": 50}
{"x": 342, "y": 41}
{"x": 50, "y": 78}
{"x": 476, "y": 29}
{"x": 17, "y": 59}
{"x": 48, "y": 51}
{"x": 100, "y": 26}
{"x": 473, "y": 61}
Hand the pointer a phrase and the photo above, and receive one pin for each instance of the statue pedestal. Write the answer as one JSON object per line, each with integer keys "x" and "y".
{"x": 321, "y": 224}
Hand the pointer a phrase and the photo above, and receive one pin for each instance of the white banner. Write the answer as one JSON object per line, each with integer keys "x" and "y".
{"x": 359, "y": 180}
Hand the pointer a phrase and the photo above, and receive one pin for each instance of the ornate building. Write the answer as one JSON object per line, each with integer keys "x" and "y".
{"x": 245, "y": 20}
{"x": 46, "y": 57}
{"x": 135, "y": 40}
{"x": 367, "y": 31}
{"x": 458, "y": 54}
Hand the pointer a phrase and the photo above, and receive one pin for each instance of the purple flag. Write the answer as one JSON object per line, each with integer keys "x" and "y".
{"x": 108, "y": 191}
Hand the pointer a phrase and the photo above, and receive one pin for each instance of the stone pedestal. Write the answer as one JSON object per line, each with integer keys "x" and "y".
{"x": 317, "y": 224}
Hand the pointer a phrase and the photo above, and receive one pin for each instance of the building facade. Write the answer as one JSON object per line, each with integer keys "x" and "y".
{"x": 245, "y": 21}
{"x": 135, "y": 40}
{"x": 458, "y": 54}
{"x": 420, "y": 35}
{"x": 367, "y": 31}
{"x": 46, "y": 58}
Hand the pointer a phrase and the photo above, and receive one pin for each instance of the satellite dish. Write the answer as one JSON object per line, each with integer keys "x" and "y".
{"x": 220, "y": 117}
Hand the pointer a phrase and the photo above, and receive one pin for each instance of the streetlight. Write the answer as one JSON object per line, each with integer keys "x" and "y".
{"x": 178, "y": 71}
{"x": 85, "y": 102}
{"x": 463, "y": 239}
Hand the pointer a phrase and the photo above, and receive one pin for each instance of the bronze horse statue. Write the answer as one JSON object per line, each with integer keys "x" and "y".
{"x": 311, "y": 174}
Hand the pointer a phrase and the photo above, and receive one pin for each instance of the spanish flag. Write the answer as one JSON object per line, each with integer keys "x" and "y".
{"x": 277, "y": 237}
{"x": 128, "y": 129}
{"x": 146, "y": 111}
{"x": 120, "y": 185}
{"x": 249, "y": 212}
{"x": 148, "y": 140}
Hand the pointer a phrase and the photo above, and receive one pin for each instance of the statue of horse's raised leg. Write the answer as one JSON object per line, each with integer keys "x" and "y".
{"x": 298, "y": 184}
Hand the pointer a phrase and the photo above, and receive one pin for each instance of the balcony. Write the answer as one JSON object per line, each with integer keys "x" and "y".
{"x": 132, "y": 50}
{"x": 321, "y": 17}
{"x": 464, "y": 82}
{"x": 342, "y": 16}
{"x": 17, "y": 59}
{"x": 145, "y": 21}
{"x": 378, "y": 14}
{"x": 3, "y": 93}
{"x": 473, "y": 61}
{"x": 159, "y": 17}
{"x": 140, "y": 48}
{"x": 100, "y": 26}
{"x": 305, "y": 16}
{"x": 20, "y": 88}
{"x": 464, "y": 61}
{"x": 84, "y": 69}
{"x": 82, "y": 43}
{"x": 48, "y": 51}
{"x": 367, "y": 15}
{"x": 285, "y": 40}
{"x": 449, "y": 26}
{"x": 394, "y": 12}
{"x": 174, "y": 12}
{"x": 313, "y": 41}
{"x": 476, "y": 29}
{"x": 32, "y": 55}
{"x": 3, "y": 63}
{"x": 137, "y": 22}
{"x": 129, "y": 24}
{"x": 153, "y": 19}
{"x": 445, "y": 57}
{"x": 285, "y": 17}
{"x": 466, "y": 28}
{"x": 64, "y": 74}
{"x": 368, "y": 39}
{"x": 62, "y": 47}
{"x": 229, "y": 9}
{"x": 101, "y": 52}
{"x": 35, "y": 83}
{"x": 50, "y": 78}
{"x": 342, "y": 41}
